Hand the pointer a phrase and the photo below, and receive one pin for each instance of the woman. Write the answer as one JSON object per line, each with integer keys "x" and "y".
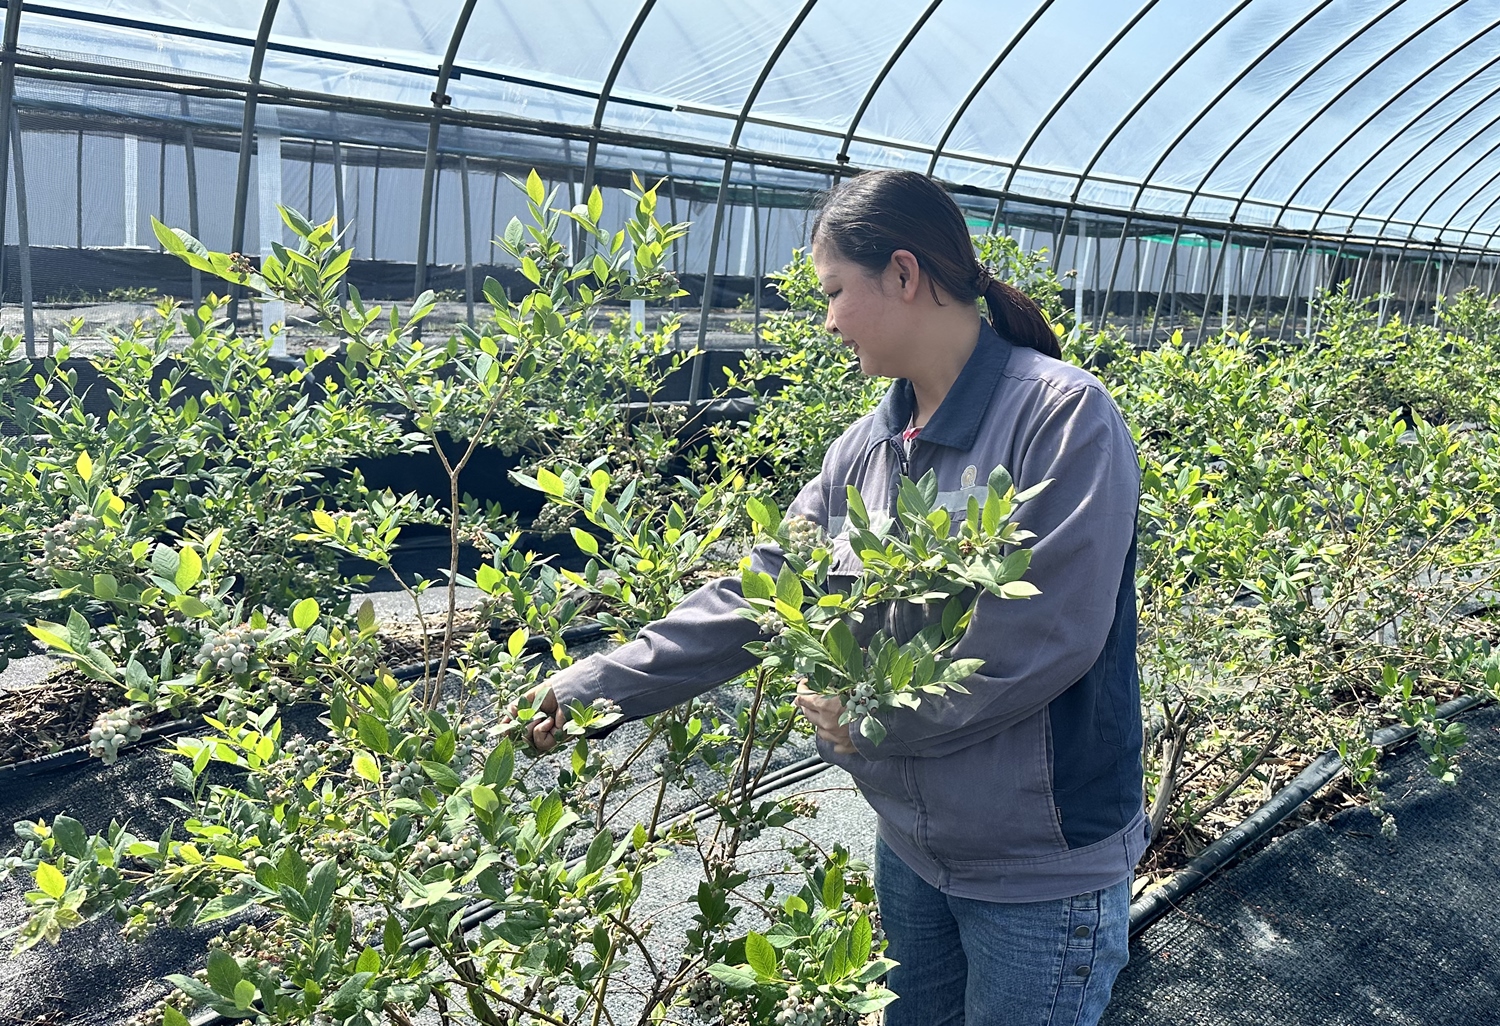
{"x": 1010, "y": 817}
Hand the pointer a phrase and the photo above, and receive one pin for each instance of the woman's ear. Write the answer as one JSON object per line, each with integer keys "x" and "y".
{"x": 907, "y": 271}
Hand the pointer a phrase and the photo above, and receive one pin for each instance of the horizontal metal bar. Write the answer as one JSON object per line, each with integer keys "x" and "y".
{"x": 52, "y": 68}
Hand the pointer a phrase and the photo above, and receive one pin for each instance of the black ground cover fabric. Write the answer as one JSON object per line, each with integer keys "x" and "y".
{"x": 1334, "y": 924}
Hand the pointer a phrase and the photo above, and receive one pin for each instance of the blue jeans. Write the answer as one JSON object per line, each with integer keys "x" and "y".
{"x": 984, "y": 963}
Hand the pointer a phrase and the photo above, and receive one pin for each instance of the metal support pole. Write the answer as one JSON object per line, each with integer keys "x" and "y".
{"x": 695, "y": 389}
{"x": 312, "y": 171}
{"x": 494, "y": 203}
{"x": 247, "y": 144}
{"x": 338, "y": 212}
{"x": 437, "y": 205}
{"x": 190, "y": 164}
{"x": 440, "y": 100}
{"x": 1208, "y": 292}
{"x": 463, "y": 178}
{"x": 23, "y": 236}
{"x": 7, "y": 104}
{"x": 1293, "y": 287}
{"x": 375, "y": 210}
{"x": 161, "y": 181}
{"x": 755, "y": 211}
{"x": 1161, "y": 294}
{"x": 78, "y": 186}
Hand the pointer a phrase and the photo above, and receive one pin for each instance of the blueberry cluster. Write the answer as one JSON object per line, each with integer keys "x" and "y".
{"x": 704, "y": 997}
{"x": 231, "y": 651}
{"x": 461, "y": 852}
{"x": 60, "y": 541}
{"x": 803, "y": 535}
{"x": 770, "y": 622}
{"x": 305, "y": 757}
{"x": 405, "y": 779}
{"x": 861, "y": 700}
{"x": 112, "y": 731}
{"x": 563, "y": 927}
{"x": 797, "y": 1010}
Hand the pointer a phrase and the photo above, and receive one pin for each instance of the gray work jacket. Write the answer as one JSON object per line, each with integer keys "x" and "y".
{"x": 1029, "y": 787}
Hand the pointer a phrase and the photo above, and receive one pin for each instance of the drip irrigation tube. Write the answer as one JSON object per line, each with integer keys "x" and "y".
{"x": 78, "y": 755}
{"x": 1158, "y": 902}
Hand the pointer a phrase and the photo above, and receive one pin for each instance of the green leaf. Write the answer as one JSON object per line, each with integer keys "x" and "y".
{"x": 598, "y": 853}
{"x": 366, "y": 767}
{"x": 391, "y": 938}
{"x": 536, "y": 191}
{"x": 500, "y": 765}
{"x": 756, "y": 585}
{"x": 170, "y": 1016}
{"x": 549, "y": 815}
{"x": 735, "y": 977}
{"x": 70, "y": 836}
{"x": 442, "y": 776}
{"x": 164, "y": 561}
{"x": 305, "y": 614}
{"x": 244, "y": 994}
{"x": 861, "y": 941}
{"x": 487, "y": 578}
{"x": 106, "y": 586}
{"x": 1018, "y": 590}
{"x": 365, "y": 617}
{"x": 49, "y": 880}
{"x": 369, "y": 961}
{"x": 585, "y": 541}
{"x": 189, "y": 569}
{"x": 596, "y": 205}
{"x": 550, "y": 483}
{"x": 223, "y": 972}
{"x": 789, "y": 587}
{"x": 373, "y": 733}
{"x": 222, "y": 906}
{"x": 869, "y": 1001}
{"x": 833, "y": 888}
{"x": 321, "y": 883}
{"x": 762, "y": 957}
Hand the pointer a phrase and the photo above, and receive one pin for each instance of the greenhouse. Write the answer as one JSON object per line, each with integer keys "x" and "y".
{"x": 464, "y": 558}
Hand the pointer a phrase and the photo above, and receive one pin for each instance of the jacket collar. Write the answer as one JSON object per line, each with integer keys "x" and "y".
{"x": 956, "y": 422}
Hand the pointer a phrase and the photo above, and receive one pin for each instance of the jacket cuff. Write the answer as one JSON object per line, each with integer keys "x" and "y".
{"x": 578, "y": 683}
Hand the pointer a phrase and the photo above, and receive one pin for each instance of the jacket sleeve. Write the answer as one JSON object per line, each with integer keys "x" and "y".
{"x": 699, "y": 645}
{"x": 1035, "y": 649}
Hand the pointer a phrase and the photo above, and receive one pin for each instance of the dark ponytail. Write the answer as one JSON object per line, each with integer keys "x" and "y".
{"x": 869, "y": 217}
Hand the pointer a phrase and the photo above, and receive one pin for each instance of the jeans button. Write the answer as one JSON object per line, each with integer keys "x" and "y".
{"x": 1082, "y": 970}
{"x": 1082, "y": 931}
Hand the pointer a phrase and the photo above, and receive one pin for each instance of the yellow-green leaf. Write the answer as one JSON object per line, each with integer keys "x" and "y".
{"x": 366, "y": 766}
{"x": 50, "y": 881}
{"x": 305, "y": 614}
{"x": 189, "y": 569}
{"x": 85, "y": 466}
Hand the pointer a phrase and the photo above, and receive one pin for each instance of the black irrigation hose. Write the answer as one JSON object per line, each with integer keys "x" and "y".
{"x": 67, "y": 758}
{"x": 1159, "y": 901}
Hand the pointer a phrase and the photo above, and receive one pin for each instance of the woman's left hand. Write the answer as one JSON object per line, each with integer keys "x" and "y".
{"x": 823, "y": 711}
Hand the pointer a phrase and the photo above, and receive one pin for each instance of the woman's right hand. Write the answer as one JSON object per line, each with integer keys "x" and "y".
{"x": 547, "y": 724}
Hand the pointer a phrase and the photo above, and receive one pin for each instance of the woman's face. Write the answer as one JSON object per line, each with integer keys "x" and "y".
{"x": 865, "y": 311}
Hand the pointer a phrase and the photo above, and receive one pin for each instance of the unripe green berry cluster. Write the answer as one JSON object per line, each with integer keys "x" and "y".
{"x": 861, "y": 699}
{"x": 405, "y": 779}
{"x": 461, "y": 852}
{"x": 803, "y": 535}
{"x": 60, "y": 541}
{"x": 112, "y": 731}
{"x": 231, "y": 651}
